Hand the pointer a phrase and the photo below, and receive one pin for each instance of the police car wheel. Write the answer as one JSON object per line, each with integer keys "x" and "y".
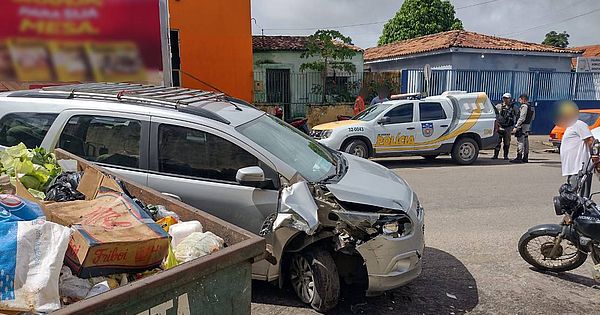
{"x": 358, "y": 148}
{"x": 465, "y": 151}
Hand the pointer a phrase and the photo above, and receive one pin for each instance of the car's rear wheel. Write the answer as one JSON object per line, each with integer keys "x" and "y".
{"x": 357, "y": 147}
{"x": 314, "y": 278}
{"x": 465, "y": 151}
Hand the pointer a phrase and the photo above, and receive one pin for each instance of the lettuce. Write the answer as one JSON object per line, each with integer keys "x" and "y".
{"x": 35, "y": 168}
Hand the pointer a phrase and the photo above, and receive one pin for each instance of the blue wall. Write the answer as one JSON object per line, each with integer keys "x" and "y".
{"x": 544, "y": 114}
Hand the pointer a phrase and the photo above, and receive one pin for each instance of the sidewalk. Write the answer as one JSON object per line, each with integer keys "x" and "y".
{"x": 537, "y": 143}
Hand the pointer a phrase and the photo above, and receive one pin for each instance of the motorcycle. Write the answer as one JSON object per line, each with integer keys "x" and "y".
{"x": 300, "y": 123}
{"x": 566, "y": 246}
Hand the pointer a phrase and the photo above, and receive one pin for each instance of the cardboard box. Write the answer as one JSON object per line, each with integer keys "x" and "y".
{"x": 111, "y": 233}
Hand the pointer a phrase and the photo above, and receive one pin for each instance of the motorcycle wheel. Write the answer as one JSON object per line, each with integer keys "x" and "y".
{"x": 595, "y": 253}
{"x": 536, "y": 250}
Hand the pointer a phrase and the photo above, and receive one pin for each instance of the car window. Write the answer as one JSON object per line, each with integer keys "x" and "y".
{"x": 431, "y": 111}
{"x": 101, "y": 139}
{"x": 371, "y": 112}
{"x": 190, "y": 152}
{"x": 401, "y": 114}
{"x": 29, "y": 128}
{"x": 589, "y": 118}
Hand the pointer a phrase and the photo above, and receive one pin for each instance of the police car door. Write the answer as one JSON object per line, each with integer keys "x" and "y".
{"x": 434, "y": 119}
{"x": 395, "y": 130}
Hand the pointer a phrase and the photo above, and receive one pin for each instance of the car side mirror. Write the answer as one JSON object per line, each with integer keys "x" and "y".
{"x": 384, "y": 120}
{"x": 252, "y": 176}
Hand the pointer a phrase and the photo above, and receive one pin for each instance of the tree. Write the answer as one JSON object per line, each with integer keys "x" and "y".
{"x": 419, "y": 18}
{"x": 332, "y": 51}
{"x": 557, "y": 39}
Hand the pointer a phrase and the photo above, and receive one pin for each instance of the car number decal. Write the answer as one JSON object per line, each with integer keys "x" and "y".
{"x": 355, "y": 129}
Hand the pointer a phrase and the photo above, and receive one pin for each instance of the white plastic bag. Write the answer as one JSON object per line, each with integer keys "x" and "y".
{"x": 197, "y": 245}
{"x": 31, "y": 257}
{"x": 179, "y": 231}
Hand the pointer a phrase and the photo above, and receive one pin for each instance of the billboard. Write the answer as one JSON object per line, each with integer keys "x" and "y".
{"x": 588, "y": 64}
{"x": 82, "y": 40}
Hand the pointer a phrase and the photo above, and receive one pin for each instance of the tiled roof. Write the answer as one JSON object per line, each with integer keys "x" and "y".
{"x": 588, "y": 51}
{"x": 462, "y": 39}
{"x": 294, "y": 43}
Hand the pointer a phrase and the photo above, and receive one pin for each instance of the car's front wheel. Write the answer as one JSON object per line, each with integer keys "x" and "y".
{"x": 315, "y": 278}
{"x": 357, "y": 147}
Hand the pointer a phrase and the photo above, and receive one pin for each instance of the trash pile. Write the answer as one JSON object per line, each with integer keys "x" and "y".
{"x": 70, "y": 232}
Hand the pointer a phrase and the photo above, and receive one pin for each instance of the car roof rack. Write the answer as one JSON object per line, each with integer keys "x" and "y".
{"x": 178, "y": 98}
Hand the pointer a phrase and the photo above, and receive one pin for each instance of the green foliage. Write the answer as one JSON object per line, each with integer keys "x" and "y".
{"x": 555, "y": 39}
{"x": 332, "y": 50}
{"x": 34, "y": 168}
{"x": 418, "y": 18}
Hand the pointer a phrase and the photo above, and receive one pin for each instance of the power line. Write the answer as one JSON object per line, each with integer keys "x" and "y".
{"x": 363, "y": 24}
{"x": 552, "y": 23}
{"x": 475, "y": 4}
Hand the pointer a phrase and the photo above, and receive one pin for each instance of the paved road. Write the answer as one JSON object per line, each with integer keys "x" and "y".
{"x": 474, "y": 218}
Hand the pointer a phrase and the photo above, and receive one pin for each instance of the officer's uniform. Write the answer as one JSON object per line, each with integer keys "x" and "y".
{"x": 506, "y": 119}
{"x": 523, "y": 127}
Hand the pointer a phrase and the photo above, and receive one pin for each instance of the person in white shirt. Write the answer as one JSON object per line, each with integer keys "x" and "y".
{"x": 576, "y": 142}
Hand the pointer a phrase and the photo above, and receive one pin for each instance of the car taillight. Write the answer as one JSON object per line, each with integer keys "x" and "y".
{"x": 552, "y": 136}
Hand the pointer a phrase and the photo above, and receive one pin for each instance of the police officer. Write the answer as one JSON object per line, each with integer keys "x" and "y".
{"x": 506, "y": 119}
{"x": 522, "y": 129}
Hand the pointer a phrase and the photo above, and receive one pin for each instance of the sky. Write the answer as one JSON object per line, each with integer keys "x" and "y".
{"x": 527, "y": 20}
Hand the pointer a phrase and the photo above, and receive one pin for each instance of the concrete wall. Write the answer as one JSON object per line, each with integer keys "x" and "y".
{"x": 216, "y": 44}
{"x": 441, "y": 61}
{"x": 473, "y": 61}
{"x": 318, "y": 114}
{"x": 301, "y": 83}
{"x": 292, "y": 60}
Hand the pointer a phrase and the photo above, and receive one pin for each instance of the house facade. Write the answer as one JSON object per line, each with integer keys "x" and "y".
{"x": 278, "y": 78}
{"x": 463, "y": 50}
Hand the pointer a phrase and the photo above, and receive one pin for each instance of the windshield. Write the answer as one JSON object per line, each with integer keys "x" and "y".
{"x": 371, "y": 112}
{"x": 313, "y": 161}
{"x": 588, "y": 118}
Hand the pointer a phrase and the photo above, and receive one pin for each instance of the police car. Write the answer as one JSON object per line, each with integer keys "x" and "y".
{"x": 455, "y": 122}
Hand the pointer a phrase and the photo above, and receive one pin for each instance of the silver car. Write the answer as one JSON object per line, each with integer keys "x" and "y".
{"x": 328, "y": 217}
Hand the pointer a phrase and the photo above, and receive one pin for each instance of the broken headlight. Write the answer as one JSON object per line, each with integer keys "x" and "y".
{"x": 390, "y": 227}
{"x": 397, "y": 228}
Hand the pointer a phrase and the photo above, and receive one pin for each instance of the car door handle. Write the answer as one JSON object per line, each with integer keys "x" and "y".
{"x": 410, "y": 128}
{"x": 172, "y": 196}
{"x": 443, "y": 126}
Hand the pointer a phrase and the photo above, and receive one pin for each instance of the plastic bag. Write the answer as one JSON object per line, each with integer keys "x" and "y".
{"x": 197, "y": 245}
{"x": 14, "y": 208}
{"x": 182, "y": 230}
{"x": 72, "y": 287}
{"x": 64, "y": 187}
{"x": 170, "y": 261}
{"x": 158, "y": 212}
{"x": 166, "y": 222}
{"x": 31, "y": 257}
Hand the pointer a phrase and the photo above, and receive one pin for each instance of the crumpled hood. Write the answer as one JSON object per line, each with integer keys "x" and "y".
{"x": 367, "y": 182}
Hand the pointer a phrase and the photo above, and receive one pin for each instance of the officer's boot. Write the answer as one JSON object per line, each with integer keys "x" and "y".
{"x": 496, "y": 152}
{"x": 518, "y": 159}
{"x": 506, "y": 148}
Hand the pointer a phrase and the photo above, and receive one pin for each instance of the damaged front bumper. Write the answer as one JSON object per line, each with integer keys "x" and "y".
{"x": 392, "y": 262}
{"x": 389, "y": 241}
